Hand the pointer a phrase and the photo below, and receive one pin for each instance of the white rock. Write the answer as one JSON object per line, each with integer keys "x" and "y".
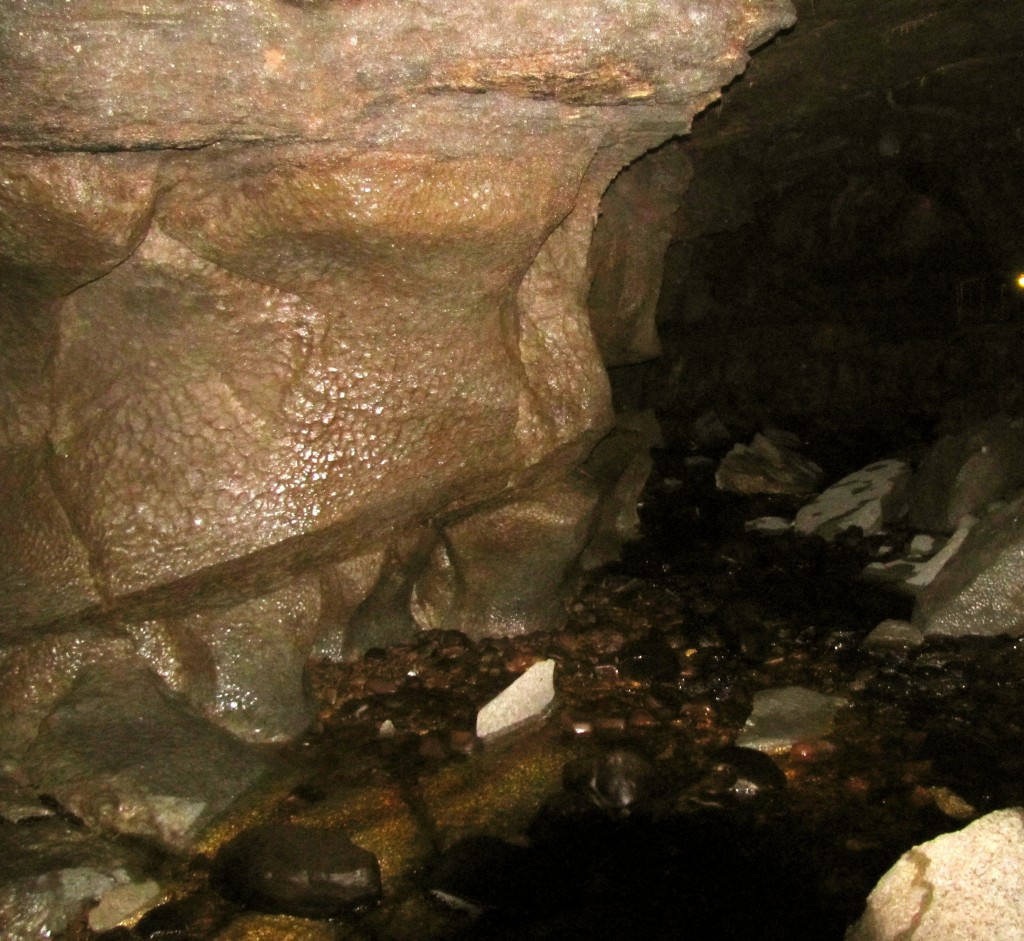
{"x": 911, "y": 576}
{"x": 527, "y": 698}
{"x": 868, "y": 498}
{"x": 782, "y": 717}
{"x": 928, "y": 570}
{"x": 963, "y": 886}
{"x": 922, "y": 546}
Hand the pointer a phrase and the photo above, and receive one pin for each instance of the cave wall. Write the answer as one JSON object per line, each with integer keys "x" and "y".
{"x": 295, "y": 337}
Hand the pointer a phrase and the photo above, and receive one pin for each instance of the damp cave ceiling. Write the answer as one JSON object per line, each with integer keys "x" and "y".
{"x": 939, "y": 76}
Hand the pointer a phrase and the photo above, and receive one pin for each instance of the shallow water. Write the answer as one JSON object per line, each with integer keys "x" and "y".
{"x": 932, "y": 738}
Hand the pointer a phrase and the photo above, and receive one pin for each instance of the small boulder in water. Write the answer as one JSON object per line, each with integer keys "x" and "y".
{"x": 288, "y": 869}
{"x": 616, "y": 781}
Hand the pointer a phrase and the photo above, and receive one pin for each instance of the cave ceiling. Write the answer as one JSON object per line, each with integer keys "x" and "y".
{"x": 858, "y": 79}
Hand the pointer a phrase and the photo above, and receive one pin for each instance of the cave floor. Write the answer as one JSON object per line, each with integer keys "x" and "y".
{"x": 932, "y": 737}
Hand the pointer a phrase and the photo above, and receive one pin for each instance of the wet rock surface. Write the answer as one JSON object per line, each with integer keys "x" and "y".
{"x": 288, "y": 285}
{"x": 631, "y": 810}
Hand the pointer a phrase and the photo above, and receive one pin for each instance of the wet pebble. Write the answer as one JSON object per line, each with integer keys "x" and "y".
{"x": 616, "y": 781}
{"x": 744, "y": 773}
{"x": 287, "y": 869}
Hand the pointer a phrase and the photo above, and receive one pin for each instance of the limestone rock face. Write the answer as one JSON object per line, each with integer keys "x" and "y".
{"x": 282, "y": 281}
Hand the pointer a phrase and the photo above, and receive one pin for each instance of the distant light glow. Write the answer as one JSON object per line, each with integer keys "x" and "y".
{"x": 1020, "y": 281}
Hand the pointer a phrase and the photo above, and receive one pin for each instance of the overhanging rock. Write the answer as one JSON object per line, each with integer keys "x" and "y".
{"x": 280, "y": 281}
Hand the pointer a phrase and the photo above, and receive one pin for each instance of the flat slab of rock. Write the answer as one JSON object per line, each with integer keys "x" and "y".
{"x": 869, "y": 499}
{"x": 965, "y": 886}
{"x": 894, "y": 633}
{"x": 527, "y": 698}
{"x": 782, "y": 717}
{"x": 124, "y": 754}
{"x": 768, "y": 525}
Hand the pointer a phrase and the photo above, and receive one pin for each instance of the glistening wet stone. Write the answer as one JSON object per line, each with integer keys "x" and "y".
{"x": 294, "y": 870}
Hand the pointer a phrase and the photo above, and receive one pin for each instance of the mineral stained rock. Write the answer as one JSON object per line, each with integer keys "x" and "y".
{"x": 281, "y": 282}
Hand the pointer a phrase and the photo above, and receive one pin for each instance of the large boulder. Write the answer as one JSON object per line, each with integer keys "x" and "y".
{"x": 965, "y": 885}
{"x": 283, "y": 282}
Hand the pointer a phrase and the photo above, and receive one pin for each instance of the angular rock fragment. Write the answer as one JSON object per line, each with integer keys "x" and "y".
{"x": 527, "y": 698}
{"x": 766, "y": 467}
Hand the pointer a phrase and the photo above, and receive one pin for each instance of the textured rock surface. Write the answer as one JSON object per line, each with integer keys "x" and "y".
{"x": 283, "y": 283}
{"x": 980, "y": 590}
{"x": 625, "y": 271}
{"x": 965, "y": 885}
{"x": 506, "y": 570}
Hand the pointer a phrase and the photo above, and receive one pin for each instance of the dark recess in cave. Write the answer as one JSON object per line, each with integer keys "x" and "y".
{"x": 846, "y": 255}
